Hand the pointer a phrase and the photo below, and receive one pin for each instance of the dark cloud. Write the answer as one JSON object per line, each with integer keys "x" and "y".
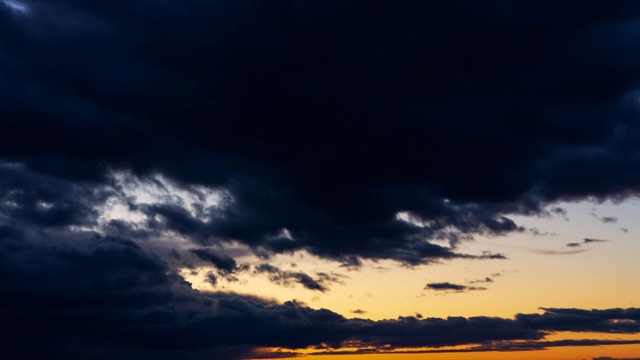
{"x": 588, "y": 241}
{"x": 46, "y": 201}
{"x": 359, "y": 311}
{"x": 559, "y": 211}
{"x": 212, "y": 279}
{"x": 486, "y": 280}
{"x": 472, "y": 288}
{"x": 447, "y": 286}
{"x": 68, "y": 295}
{"x": 278, "y": 354}
{"x": 605, "y": 219}
{"x": 223, "y": 263}
{"x": 328, "y": 132}
{"x": 287, "y": 278}
{"x": 610, "y": 320}
{"x": 537, "y": 232}
{"x": 350, "y": 141}
{"x": 503, "y": 346}
{"x": 585, "y": 241}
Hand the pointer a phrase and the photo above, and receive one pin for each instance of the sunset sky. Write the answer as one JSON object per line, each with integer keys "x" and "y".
{"x": 356, "y": 180}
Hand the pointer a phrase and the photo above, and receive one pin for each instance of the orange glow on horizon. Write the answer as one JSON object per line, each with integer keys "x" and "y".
{"x": 552, "y": 353}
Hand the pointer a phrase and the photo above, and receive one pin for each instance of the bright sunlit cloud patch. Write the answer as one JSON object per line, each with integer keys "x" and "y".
{"x": 16, "y": 6}
{"x": 199, "y": 201}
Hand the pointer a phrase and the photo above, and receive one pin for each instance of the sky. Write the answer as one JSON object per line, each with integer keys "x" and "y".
{"x": 356, "y": 180}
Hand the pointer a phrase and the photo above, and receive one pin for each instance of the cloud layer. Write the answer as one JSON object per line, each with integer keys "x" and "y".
{"x": 142, "y": 137}
{"x": 329, "y": 132}
{"x": 70, "y": 297}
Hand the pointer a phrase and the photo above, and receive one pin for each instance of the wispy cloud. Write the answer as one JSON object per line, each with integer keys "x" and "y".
{"x": 287, "y": 278}
{"x": 447, "y": 286}
{"x": 585, "y": 241}
{"x": 605, "y": 219}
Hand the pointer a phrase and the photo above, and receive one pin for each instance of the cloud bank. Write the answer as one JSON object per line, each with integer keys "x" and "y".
{"x": 327, "y": 133}
{"x": 142, "y": 137}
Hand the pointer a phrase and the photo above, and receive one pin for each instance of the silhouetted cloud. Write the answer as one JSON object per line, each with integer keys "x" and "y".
{"x": 537, "y": 232}
{"x": 223, "y": 263}
{"x": 278, "y": 354}
{"x": 65, "y": 294}
{"x": 212, "y": 279}
{"x": 212, "y": 94}
{"x": 139, "y": 138}
{"x": 609, "y": 320}
{"x": 503, "y": 346}
{"x": 446, "y": 286}
{"x": 556, "y": 210}
{"x": 585, "y": 241}
{"x": 605, "y": 219}
{"x": 286, "y": 278}
{"x": 588, "y": 241}
{"x": 486, "y": 280}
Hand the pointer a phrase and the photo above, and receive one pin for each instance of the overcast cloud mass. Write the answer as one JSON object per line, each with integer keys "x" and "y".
{"x": 351, "y": 130}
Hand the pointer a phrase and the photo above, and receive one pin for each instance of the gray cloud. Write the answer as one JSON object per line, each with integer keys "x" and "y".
{"x": 585, "y": 241}
{"x": 68, "y": 300}
{"x": 486, "y": 280}
{"x": 561, "y": 252}
{"x": 287, "y": 278}
{"x": 224, "y": 264}
{"x": 605, "y": 219}
{"x": 446, "y": 286}
{"x": 588, "y": 241}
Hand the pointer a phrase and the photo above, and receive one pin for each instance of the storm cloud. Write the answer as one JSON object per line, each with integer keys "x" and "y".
{"x": 71, "y": 294}
{"x": 139, "y": 136}
{"x": 329, "y": 133}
